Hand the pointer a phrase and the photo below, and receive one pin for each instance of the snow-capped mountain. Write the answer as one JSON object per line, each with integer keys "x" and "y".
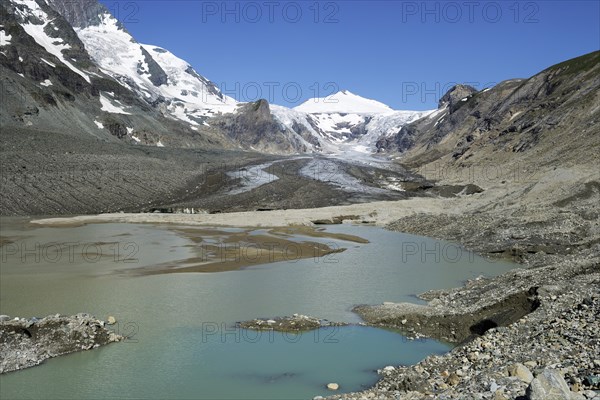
{"x": 151, "y": 71}
{"x": 345, "y": 119}
{"x": 343, "y": 102}
{"x": 75, "y": 64}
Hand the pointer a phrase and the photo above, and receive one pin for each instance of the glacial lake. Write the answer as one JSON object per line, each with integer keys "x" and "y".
{"x": 184, "y": 343}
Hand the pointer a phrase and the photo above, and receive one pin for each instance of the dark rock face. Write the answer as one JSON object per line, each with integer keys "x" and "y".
{"x": 455, "y": 95}
{"x": 157, "y": 75}
{"x": 212, "y": 88}
{"x": 303, "y": 132}
{"x": 253, "y": 126}
{"x": 80, "y": 13}
{"x": 58, "y": 28}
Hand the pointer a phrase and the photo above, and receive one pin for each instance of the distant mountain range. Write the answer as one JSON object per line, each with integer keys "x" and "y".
{"x": 71, "y": 67}
{"x": 75, "y": 66}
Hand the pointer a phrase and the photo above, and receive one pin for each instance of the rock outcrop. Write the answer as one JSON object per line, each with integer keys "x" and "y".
{"x": 26, "y": 343}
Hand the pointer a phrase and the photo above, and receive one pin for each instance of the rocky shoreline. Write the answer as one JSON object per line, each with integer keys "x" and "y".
{"x": 558, "y": 338}
{"x": 529, "y": 334}
{"x": 26, "y": 343}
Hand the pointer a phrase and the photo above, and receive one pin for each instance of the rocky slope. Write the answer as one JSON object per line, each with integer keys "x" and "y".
{"x": 73, "y": 64}
{"x": 72, "y": 67}
{"x": 544, "y": 118}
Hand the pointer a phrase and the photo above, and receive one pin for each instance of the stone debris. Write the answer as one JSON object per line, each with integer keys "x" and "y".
{"x": 26, "y": 343}
{"x": 295, "y": 323}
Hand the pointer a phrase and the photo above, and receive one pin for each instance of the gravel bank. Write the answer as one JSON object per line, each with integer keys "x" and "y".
{"x": 527, "y": 334}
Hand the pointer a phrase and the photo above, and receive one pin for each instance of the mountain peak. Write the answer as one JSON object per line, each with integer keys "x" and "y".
{"x": 343, "y": 102}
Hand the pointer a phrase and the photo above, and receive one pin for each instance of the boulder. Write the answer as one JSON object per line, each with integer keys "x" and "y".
{"x": 549, "y": 385}
{"x": 520, "y": 371}
{"x": 333, "y": 386}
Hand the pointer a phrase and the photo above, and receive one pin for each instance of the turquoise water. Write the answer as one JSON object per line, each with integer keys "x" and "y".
{"x": 183, "y": 342}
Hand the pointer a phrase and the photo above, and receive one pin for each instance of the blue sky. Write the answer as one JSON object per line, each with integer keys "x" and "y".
{"x": 402, "y": 53}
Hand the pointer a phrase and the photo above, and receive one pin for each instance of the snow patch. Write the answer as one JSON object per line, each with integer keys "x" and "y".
{"x": 49, "y": 63}
{"x": 46, "y": 83}
{"x": 159, "y": 144}
{"x": 108, "y": 106}
{"x": 4, "y": 39}
{"x": 99, "y": 124}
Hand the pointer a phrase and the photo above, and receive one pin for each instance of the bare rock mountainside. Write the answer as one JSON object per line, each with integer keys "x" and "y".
{"x": 550, "y": 119}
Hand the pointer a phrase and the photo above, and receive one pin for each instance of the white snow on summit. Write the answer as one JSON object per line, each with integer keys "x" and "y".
{"x": 346, "y": 122}
{"x": 343, "y": 102}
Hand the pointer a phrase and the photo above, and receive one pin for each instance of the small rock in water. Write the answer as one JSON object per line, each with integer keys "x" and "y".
{"x": 333, "y": 386}
{"x": 111, "y": 320}
{"x": 4, "y": 318}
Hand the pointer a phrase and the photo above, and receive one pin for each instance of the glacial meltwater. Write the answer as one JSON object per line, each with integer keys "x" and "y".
{"x": 181, "y": 326}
